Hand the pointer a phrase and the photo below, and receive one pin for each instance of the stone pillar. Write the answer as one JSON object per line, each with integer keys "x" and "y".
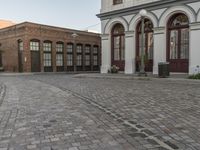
{"x": 54, "y": 56}
{"x": 130, "y": 53}
{"x": 106, "y": 53}
{"x": 91, "y": 58}
{"x": 26, "y": 56}
{"x": 194, "y": 50}
{"x": 83, "y": 57}
{"x": 41, "y": 57}
{"x": 65, "y": 56}
{"x": 159, "y": 48}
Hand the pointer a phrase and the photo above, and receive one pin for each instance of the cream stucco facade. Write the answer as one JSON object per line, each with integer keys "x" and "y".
{"x": 159, "y": 12}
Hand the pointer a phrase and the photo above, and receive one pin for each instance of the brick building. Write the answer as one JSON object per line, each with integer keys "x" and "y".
{"x": 30, "y": 47}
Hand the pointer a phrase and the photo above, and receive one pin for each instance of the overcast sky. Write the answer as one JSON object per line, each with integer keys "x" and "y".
{"x": 76, "y": 14}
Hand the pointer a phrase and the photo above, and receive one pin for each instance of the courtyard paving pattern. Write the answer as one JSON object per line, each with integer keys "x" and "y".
{"x": 67, "y": 112}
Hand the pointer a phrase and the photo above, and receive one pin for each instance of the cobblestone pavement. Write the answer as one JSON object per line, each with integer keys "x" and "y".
{"x": 63, "y": 112}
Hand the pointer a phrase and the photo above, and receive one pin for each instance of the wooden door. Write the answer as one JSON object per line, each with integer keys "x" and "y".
{"x": 35, "y": 61}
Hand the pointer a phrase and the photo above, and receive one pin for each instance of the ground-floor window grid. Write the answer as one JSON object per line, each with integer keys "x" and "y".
{"x": 67, "y": 57}
{"x": 95, "y": 56}
{"x": 59, "y": 60}
{"x": 87, "y": 55}
{"x": 70, "y": 55}
{"x": 79, "y": 55}
{"x": 47, "y": 60}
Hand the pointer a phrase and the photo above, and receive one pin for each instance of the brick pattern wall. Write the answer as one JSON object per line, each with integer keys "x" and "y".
{"x": 28, "y": 31}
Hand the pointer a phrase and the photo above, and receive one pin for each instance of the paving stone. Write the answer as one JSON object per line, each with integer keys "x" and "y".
{"x": 54, "y": 111}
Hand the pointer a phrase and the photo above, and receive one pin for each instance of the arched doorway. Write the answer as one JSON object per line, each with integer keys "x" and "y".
{"x": 118, "y": 46}
{"x": 148, "y": 45}
{"x": 178, "y": 43}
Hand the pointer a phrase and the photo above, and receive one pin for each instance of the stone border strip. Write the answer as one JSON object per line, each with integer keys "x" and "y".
{"x": 134, "y": 77}
{"x": 138, "y": 130}
{"x": 2, "y": 93}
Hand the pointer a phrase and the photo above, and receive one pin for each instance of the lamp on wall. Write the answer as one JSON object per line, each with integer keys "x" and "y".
{"x": 74, "y": 36}
{"x": 142, "y": 14}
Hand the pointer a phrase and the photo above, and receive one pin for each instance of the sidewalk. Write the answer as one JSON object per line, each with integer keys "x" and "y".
{"x": 128, "y": 76}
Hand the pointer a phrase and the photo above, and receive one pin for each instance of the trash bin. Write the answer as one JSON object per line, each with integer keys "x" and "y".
{"x": 163, "y": 69}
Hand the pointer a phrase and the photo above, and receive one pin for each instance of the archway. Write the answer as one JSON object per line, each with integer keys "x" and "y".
{"x": 178, "y": 43}
{"x": 118, "y": 46}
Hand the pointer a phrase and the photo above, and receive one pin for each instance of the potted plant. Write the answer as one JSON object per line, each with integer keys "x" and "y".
{"x": 114, "y": 69}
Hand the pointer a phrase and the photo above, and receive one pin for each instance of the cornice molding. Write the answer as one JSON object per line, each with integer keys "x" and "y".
{"x": 149, "y": 6}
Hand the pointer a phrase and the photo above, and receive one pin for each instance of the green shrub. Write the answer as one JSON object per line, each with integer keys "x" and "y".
{"x": 197, "y": 76}
{"x": 113, "y": 69}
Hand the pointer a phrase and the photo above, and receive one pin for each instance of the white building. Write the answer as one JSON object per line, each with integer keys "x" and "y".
{"x": 172, "y": 34}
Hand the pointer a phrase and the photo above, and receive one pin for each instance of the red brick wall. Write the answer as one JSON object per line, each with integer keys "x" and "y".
{"x": 28, "y": 31}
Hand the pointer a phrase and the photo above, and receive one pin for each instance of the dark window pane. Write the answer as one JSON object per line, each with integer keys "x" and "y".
{"x": 117, "y": 48}
{"x": 184, "y": 52}
{"x": 117, "y": 2}
{"x": 180, "y": 20}
{"x": 174, "y": 44}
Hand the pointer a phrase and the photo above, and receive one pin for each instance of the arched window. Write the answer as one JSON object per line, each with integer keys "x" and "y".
{"x": 148, "y": 44}
{"x": 178, "y": 43}
{"x": 118, "y": 46}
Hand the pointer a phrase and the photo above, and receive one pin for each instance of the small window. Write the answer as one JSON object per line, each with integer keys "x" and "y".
{"x": 115, "y": 2}
{"x": 79, "y": 49}
{"x": 69, "y": 48}
{"x": 20, "y": 45}
{"x": 34, "y": 46}
{"x": 47, "y": 47}
{"x": 59, "y": 47}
